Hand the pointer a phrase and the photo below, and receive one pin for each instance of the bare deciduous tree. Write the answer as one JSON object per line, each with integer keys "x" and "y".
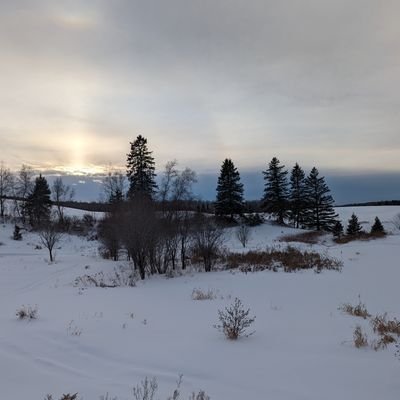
{"x": 23, "y": 188}
{"x": 140, "y": 232}
{"x": 6, "y": 186}
{"x": 61, "y": 193}
{"x": 50, "y": 237}
{"x": 207, "y": 241}
{"x": 396, "y": 221}
{"x": 243, "y": 234}
{"x": 114, "y": 186}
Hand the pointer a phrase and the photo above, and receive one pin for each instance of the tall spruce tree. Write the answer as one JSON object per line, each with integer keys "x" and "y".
{"x": 297, "y": 197}
{"x": 140, "y": 170}
{"x": 38, "y": 204}
{"x": 275, "y": 200}
{"x": 229, "y": 191}
{"x": 320, "y": 213}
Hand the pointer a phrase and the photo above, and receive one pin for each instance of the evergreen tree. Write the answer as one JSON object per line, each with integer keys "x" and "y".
{"x": 337, "y": 229}
{"x": 140, "y": 170}
{"x": 39, "y": 203}
{"x": 275, "y": 200}
{"x": 377, "y": 227}
{"x": 353, "y": 227}
{"x": 297, "y": 197}
{"x": 229, "y": 191}
{"x": 320, "y": 213}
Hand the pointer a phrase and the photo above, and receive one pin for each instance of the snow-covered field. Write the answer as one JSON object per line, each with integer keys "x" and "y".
{"x": 101, "y": 340}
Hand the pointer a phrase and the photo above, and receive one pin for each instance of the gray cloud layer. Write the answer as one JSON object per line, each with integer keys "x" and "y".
{"x": 313, "y": 81}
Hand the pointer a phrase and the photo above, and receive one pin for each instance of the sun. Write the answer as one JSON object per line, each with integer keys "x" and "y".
{"x": 78, "y": 160}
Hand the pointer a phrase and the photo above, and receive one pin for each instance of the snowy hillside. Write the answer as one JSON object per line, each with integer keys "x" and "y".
{"x": 98, "y": 340}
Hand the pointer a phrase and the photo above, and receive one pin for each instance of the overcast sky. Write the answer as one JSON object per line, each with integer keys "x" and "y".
{"x": 312, "y": 81}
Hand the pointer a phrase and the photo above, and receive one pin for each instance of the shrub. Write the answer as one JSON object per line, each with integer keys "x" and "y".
{"x": 199, "y": 396}
{"x": 243, "y": 234}
{"x": 121, "y": 277}
{"x": 359, "y": 337}
{"x": 382, "y": 326}
{"x": 67, "y": 396}
{"x": 359, "y": 310}
{"x": 146, "y": 390}
{"x": 198, "y": 294}
{"x": 17, "y": 233}
{"x": 207, "y": 241}
{"x": 253, "y": 219}
{"x": 396, "y": 221}
{"x": 234, "y": 320}
{"x": 27, "y": 312}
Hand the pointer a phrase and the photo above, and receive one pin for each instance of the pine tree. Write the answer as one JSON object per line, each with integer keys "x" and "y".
{"x": 320, "y": 213}
{"x": 140, "y": 170}
{"x": 275, "y": 200}
{"x": 297, "y": 197}
{"x": 39, "y": 203}
{"x": 353, "y": 227}
{"x": 377, "y": 227}
{"x": 229, "y": 191}
{"x": 337, "y": 229}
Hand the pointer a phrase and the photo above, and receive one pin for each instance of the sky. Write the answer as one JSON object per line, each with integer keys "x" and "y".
{"x": 309, "y": 81}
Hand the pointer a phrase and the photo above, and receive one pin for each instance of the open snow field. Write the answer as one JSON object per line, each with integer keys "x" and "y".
{"x": 101, "y": 340}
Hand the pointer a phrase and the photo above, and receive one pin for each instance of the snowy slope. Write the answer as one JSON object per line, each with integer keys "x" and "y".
{"x": 88, "y": 341}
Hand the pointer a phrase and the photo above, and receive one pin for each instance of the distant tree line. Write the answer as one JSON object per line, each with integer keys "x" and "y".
{"x": 160, "y": 227}
{"x": 303, "y": 201}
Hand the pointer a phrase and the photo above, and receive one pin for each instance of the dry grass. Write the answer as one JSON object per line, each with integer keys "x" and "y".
{"x": 364, "y": 236}
{"x": 359, "y": 337}
{"x": 359, "y": 310}
{"x": 382, "y": 326}
{"x": 199, "y": 294}
{"x": 309, "y": 237}
{"x": 383, "y": 342}
{"x": 290, "y": 259}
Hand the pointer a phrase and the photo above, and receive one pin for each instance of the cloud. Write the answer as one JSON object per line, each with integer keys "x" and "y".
{"x": 311, "y": 81}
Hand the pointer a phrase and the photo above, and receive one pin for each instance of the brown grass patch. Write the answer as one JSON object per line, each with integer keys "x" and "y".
{"x": 359, "y": 337}
{"x": 383, "y": 342}
{"x": 199, "y": 294}
{"x": 382, "y": 326}
{"x": 360, "y": 310}
{"x": 290, "y": 259}
{"x": 310, "y": 237}
{"x": 363, "y": 236}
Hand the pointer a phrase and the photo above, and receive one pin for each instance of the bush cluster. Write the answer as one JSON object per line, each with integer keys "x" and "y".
{"x": 290, "y": 259}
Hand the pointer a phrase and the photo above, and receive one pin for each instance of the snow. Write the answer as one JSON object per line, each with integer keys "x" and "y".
{"x": 100, "y": 340}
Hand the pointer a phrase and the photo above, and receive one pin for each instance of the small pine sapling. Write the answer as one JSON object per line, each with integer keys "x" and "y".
{"x": 337, "y": 230}
{"x": 353, "y": 228}
{"x": 377, "y": 228}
